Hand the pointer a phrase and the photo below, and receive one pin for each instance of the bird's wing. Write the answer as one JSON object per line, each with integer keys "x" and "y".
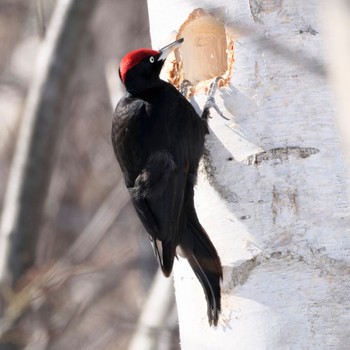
{"x": 156, "y": 177}
{"x": 128, "y": 110}
{"x": 158, "y": 196}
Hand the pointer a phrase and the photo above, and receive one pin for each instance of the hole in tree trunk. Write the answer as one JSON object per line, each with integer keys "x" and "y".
{"x": 206, "y": 53}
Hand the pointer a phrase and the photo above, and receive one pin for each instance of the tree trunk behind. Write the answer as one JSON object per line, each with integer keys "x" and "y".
{"x": 39, "y": 134}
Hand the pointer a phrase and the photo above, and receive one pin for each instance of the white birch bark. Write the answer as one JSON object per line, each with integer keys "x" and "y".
{"x": 336, "y": 16}
{"x": 272, "y": 196}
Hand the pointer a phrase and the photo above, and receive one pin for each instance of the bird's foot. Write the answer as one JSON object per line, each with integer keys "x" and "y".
{"x": 210, "y": 103}
{"x": 184, "y": 87}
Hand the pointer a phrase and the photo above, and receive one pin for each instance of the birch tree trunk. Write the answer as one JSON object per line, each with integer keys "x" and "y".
{"x": 272, "y": 191}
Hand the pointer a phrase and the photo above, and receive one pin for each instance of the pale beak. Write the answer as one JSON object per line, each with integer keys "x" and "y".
{"x": 164, "y": 52}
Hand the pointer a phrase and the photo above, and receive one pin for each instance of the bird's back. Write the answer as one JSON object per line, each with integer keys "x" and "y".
{"x": 156, "y": 122}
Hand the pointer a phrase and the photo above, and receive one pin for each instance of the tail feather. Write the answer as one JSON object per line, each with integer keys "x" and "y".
{"x": 168, "y": 258}
{"x": 211, "y": 287}
{"x": 205, "y": 262}
{"x": 165, "y": 253}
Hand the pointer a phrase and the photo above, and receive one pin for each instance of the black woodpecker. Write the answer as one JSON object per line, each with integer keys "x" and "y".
{"x": 158, "y": 140}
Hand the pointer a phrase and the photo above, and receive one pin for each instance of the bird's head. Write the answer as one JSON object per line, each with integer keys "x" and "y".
{"x": 139, "y": 69}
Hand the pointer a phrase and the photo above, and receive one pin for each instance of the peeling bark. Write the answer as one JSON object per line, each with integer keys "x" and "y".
{"x": 281, "y": 154}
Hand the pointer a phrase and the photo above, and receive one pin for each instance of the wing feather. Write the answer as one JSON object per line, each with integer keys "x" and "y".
{"x": 153, "y": 142}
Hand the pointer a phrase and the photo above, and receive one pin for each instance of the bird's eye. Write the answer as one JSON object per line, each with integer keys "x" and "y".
{"x": 151, "y": 59}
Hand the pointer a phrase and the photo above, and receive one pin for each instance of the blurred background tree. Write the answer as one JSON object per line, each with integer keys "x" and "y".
{"x": 93, "y": 262}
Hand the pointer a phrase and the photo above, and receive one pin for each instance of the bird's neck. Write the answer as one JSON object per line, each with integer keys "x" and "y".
{"x": 148, "y": 92}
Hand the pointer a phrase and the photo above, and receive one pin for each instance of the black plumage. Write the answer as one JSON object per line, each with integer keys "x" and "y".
{"x": 158, "y": 139}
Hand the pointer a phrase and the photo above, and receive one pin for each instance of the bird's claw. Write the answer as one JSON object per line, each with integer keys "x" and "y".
{"x": 184, "y": 87}
{"x": 210, "y": 103}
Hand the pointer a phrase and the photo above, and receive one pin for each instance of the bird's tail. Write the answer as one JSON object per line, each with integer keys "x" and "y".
{"x": 205, "y": 262}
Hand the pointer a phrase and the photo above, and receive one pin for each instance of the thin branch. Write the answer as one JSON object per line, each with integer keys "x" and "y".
{"x": 99, "y": 225}
{"x": 40, "y": 18}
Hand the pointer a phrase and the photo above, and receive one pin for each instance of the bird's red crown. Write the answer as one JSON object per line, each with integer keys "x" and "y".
{"x": 133, "y": 58}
